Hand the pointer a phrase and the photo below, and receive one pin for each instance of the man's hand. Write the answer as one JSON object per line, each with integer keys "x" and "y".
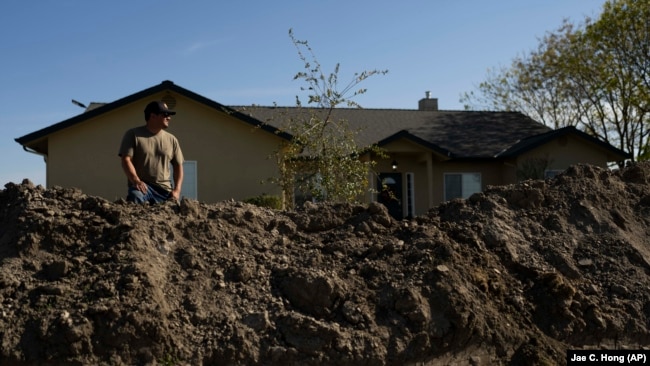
{"x": 141, "y": 186}
{"x": 131, "y": 174}
{"x": 176, "y": 195}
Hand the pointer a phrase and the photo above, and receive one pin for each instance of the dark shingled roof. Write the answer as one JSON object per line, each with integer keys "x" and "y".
{"x": 460, "y": 134}
{"x": 37, "y": 140}
{"x": 455, "y": 134}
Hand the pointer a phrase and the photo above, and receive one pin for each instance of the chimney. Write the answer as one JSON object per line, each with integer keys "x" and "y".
{"x": 428, "y": 103}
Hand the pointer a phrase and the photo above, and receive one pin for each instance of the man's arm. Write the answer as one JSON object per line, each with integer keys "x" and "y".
{"x": 131, "y": 175}
{"x": 178, "y": 181}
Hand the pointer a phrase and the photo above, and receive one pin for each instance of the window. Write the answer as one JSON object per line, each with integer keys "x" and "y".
{"x": 461, "y": 185}
{"x": 410, "y": 195}
{"x": 306, "y": 185}
{"x": 391, "y": 195}
{"x": 551, "y": 173}
{"x": 189, "y": 188}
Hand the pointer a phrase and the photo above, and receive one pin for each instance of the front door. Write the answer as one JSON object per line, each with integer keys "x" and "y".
{"x": 390, "y": 193}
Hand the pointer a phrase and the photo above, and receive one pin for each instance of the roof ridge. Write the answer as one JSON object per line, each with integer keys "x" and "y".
{"x": 367, "y": 109}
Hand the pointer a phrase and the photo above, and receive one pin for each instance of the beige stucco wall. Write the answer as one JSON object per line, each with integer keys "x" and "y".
{"x": 411, "y": 158}
{"x": 84, "y": 156}
{"x": 408, "y": 163}
{"x": 491, "y": 174}
{"x": 429, "y": 192}
{"x": 566, "y": 151}
{"x": 232, "y": 156}
{"x": 428, "y": 171}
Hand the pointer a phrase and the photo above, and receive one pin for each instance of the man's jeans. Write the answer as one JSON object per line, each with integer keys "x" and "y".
{"x": 153, "y": 195}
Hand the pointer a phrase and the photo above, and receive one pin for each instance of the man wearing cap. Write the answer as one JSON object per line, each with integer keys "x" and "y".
{"x": 147, "y": 152}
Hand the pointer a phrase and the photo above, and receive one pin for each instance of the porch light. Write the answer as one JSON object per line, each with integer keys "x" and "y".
{"x": 394, "y": 164}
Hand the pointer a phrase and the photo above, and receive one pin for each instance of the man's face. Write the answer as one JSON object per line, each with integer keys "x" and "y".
{"x": 165, "y": 119}
{"x": 162, "y": 119}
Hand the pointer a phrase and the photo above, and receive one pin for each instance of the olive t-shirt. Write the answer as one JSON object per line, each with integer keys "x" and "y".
{"x": 152, "y": 155}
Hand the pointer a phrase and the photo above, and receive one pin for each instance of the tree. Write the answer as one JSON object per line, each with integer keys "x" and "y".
{"x": 620, "y": 43}
{"x": 593, "y": 76}
{"x": 531, "y": 85}
{"x": 323, "y": 160}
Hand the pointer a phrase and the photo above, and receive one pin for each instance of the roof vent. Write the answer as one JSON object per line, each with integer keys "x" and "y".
{"x": 169, "y": 100}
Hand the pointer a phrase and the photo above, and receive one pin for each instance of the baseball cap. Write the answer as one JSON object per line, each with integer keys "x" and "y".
{"x": 157, "y": 107}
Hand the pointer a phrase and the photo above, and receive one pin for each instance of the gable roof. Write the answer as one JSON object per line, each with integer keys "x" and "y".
{"x": 537, "y": 140}
{"x": 455, "y": 134}
{"x": 32, "y": 140}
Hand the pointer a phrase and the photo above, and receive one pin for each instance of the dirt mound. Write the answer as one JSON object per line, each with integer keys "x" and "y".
{"x": 512, "y": 275}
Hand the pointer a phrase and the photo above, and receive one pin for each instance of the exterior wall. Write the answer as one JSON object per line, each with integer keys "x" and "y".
{"x": 429, "y": 172}
{"x": 410, "y": 163}
{"x": 429, "y": 192}
{"x": 566, "y": 151}
{"x": 491, "y": 174}
{"x": 85, "y": 156}
{"x": 232, "y": 156}
{"x": 411, "y": 158}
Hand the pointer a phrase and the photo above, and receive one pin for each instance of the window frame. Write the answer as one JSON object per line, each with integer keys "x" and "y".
{"x": 410, "y": 194}
{"x": 462, "y": 175}
{"x": 193, "y": 172}
{"x": 552, "y": 173}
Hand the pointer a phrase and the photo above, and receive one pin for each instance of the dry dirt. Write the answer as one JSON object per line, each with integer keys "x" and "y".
{"x": 513, "y": 275}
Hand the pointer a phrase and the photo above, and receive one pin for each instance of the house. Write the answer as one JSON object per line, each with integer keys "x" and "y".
{"x": 433, "y": 155}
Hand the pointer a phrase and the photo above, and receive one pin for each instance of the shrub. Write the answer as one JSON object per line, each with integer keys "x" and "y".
{"x": 265, "y": 200}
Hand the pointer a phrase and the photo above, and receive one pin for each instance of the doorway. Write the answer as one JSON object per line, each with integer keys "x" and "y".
{"x": 390, "y": 193}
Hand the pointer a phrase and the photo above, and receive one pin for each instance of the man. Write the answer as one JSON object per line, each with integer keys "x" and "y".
{"x": 147, "y": 152}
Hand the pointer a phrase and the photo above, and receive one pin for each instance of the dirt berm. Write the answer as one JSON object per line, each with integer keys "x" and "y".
{"x": 514, "y": 275}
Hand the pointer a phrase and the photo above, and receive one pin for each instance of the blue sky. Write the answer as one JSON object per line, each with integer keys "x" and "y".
{"x": 240, "y": 53}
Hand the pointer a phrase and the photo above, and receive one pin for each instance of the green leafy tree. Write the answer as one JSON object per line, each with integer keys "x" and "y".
{"x": 619, "y": 75}
{"x": 594, "y": 76}
{"x": 323, "y": 161}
